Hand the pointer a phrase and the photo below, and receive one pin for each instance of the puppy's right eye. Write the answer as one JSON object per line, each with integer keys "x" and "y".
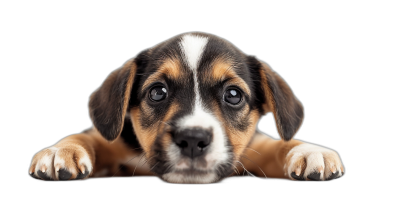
{"x": 232, "y": 96}
{"x": 158, "y": 93}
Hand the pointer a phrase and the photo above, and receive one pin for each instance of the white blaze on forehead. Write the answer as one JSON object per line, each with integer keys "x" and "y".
{"x": 192, "y": 47}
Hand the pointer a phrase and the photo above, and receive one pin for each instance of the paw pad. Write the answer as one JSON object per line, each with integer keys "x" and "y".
{"x": 43, "y": 175}
{"x": 64, "y": 174}
{"x": 314, "y": 176}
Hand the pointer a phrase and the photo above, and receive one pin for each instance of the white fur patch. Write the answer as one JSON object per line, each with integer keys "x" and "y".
{"x": 192, "y": 48}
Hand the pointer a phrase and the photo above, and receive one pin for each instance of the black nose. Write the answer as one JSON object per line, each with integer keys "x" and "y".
{"x": 193, "y": 142}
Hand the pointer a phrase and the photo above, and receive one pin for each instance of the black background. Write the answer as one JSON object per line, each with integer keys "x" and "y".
{"x": 62, "y": 57}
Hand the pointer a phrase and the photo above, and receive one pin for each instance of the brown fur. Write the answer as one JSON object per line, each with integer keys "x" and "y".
{"x": 171, "y": 68}
{"x": 222, "y": 69}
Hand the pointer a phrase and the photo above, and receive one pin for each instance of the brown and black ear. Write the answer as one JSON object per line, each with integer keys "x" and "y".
{"x": 108, "y": 104}
{"x": 276, "y": 96}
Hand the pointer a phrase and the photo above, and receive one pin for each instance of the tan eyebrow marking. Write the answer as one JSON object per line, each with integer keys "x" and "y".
{"x": 223, "y": 69}
{"x": 153, "y": 78}
{"x": 241, "y": 84}
{"x": 171, "y": 67}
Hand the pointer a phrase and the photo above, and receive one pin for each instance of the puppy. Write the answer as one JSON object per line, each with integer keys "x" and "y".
{"x": 186, "y": 110}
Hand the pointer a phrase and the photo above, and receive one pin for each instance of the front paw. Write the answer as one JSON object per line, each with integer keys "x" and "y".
{"x": 312, "y": 162}
{"x": 66, "y": 163}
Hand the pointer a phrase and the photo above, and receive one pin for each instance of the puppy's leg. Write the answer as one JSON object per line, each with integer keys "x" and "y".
{"x": 82, "y": 155}
{"x": 293, "y": 159}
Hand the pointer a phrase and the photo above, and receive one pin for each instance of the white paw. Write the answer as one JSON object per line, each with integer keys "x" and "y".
{"x": 312, "y": 162}
{"x": 66, "y": 163}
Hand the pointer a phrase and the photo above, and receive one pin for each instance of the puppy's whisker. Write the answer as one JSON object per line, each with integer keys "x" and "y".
{"x": 137, "y": 164}
{"x": 254, "y": 164}
{"x": 147, "y": 160}
{"x": 119, "y": 168}
{"x": 154, "y": 166}
{"x": 236, "y": 169}
{"x": 247, "y": 148}
{"x": 239, "y": 145}
{"x": 245, "y": 168}
{"x": 253, "y": 150}
{"x": 165, "y": 123}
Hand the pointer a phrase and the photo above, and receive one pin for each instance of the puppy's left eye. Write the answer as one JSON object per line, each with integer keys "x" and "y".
{"x": 158, "y": 93}
{"x": 232, "y": 96}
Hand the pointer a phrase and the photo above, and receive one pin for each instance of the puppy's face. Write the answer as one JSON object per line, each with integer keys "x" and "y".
{"x": 194, "y": 102}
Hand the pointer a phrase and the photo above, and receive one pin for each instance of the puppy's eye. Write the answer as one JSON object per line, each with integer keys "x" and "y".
{"x": 232, "y": 96}
{"x": 158, "y": 93}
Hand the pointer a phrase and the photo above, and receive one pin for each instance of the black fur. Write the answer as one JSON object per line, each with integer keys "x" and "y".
{"x": 129, "y": 137}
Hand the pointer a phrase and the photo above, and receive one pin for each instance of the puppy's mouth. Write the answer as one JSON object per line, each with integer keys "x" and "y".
{"x": 191, "y": 176}
{"x": 196, "y": 172}
{"x": 193, "y": 171}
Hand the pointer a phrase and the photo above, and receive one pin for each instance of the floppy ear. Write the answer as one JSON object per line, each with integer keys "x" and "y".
{"x": 108, "y": 104}
{"x": 278, "y": 98}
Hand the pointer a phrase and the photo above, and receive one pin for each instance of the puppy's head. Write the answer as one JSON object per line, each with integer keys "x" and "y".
{"x": 194, "y": 102}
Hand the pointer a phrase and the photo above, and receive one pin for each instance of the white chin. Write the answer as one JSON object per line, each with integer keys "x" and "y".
{"x": 183, "y": 178}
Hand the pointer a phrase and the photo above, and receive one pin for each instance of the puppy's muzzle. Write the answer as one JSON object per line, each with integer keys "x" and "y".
{"x": 193, "y": 142}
